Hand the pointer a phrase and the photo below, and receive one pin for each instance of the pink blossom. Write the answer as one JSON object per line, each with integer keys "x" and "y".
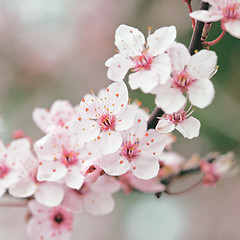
{"x": 103, "y": 118}
{"x": 60, "y": 113}
{"x": 187, "y": 125}
{"x": 139, "y": 152}
{"x": 93, "y": 197}
{"x": 220, "y": 167}
{"x": 49, "y": 223}
{"x": 190, "y": 75}
{"x": 60, "y": 157}
{"x": 228, "y": 11}
{"x": 130, "y": 182}
{"x": 149, "y": 62}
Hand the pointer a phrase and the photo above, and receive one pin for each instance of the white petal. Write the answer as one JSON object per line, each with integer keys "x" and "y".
{"x": 206, "y": 16}
{"x": 109, "y": 141}
{"x": 24, "y": 188}
{"x": 49, "y": 194}
{"x": 165, "y": 126}
{"x": 169, "y": 99}
{"x": 161, "y": 39}
{"x": 51, "y": 171}
{"x": 129, "y": 40}
{"x": 179, "y": 56}
{"x": 233, "y": 27}
{"x": 98, "y": 204}
{"x": 125, "y": 119}
{"x": 145, "y": 167}
{"x": 201, "y": 93}
{"x": 19, "y": 144}
{"x": 202, "y": 64}
{"x": 2, "y": 191}
{"x": 144, "y": 79}
{"x": 74, "y": 178}
{"x": 86, "y": 130}
{"x": 72, "y": 201}
{"x": 41, "y": 118}
{"x": 189, "y": 127}
{"x": 114, "y": 165}
{"x": 118, "y": 65}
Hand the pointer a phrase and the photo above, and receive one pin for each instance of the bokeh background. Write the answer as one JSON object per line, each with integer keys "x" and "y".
{"x": 57, "y": 49}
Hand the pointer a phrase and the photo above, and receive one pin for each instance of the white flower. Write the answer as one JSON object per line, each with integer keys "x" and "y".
{"x": 103, "y": 118}
{"x": 228, "y": 11}
{"x": 190, "y": 75}
{"x": 149, "y": 62}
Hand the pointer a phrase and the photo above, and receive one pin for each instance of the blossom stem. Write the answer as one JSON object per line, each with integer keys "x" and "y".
{"x": 208, "y": 44}
{"x": 13, "y": 204}
{"x": 190, "y": 189}
{"x": 188, "y": 2}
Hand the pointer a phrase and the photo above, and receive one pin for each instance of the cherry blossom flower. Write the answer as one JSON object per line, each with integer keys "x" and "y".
{"x": 95, "y": 197}
{"x": 60, "y": 157}
{"x": 190, "y": 75}
{"x": 148, "y": 61}
{"x": 187, "y": 125}
{"x": 12, "y": 158}
{"x": 219, "y": 168}
{"x": 103, "y": 118}
{"x": 139, "y": 152}
{"x": 49, "y": 223}
{"x": 228, "y": 11}
{"x": 130, "y": 182}
{"x": 60, "y": 113}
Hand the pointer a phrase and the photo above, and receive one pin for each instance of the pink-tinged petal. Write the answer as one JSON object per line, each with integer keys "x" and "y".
{"x": 74, "y": 178}
{"x": 49, "y": 194}
{"x": 109, "y": 141}
{"x": 125, "y": 119}
{"x": 129, "y": 40}
{"x": 161, "y": 39}
{"x": 152, "y": 144}
{"x": 41, "y": 118}
{"x": 150, "y": 185}
{"x": 233, "y": 27}
{"x": 23, "y": 188}
{"x": 105, "y": 184}
{"x": 51, "y": 171}
{"x": 19, "y": 144}
{"x": 202, "y": 64}
{"x": 86, "y": 130}
{"x": 179, "y": 57}
{"x": 114, "y": 165}
{"x": 161, "y": 66}
{"x": 98, "y": 204}
{"x": 206, "y": 16}
{"x": 172, "y": 159}
{"x": 116, "y": 96}
{"x": 72, "y": 202}
{"x": 146, "y": 80}
{"x": 118, "y": 65}
{"x": 3, "y": 150}
{"x": 36, "y": 208}
{"x": 165, "y": 126}
{"x": 169, "y": 99}
{"x": 189, "y": 127}
{"x": 12, "y": 177}
{"x": 201, "y": 93}
{"x": 145, "y": 167}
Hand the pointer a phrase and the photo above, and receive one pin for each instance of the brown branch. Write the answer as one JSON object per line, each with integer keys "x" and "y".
{"x": 195, "y": 44}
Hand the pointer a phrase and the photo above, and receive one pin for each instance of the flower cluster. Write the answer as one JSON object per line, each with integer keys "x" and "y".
{"x": 102, "y": 145}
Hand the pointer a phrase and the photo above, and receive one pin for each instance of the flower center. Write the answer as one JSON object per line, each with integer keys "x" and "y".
{"x": 58, "y": 218}
{"x": 106, "y": 122}
{"x": 182, "y": 81}
{"x": 143, "y": 61}
{"x": 231, "y": 11}
{"x": 3, "y": 171}
{"x": 69, "y": 158}
{"x": 130, "y": 150}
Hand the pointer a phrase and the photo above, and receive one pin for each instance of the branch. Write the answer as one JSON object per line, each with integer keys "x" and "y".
{"x": 195, "y": 44}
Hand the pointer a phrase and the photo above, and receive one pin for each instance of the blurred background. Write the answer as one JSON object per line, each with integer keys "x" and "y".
{"x": 57, "y": 49}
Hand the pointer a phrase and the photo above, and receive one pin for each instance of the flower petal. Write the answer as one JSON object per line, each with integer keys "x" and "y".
{"x": 165, "y": 126}
{"x": 206, "y": 16}
{"x": 233, "y": 27}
